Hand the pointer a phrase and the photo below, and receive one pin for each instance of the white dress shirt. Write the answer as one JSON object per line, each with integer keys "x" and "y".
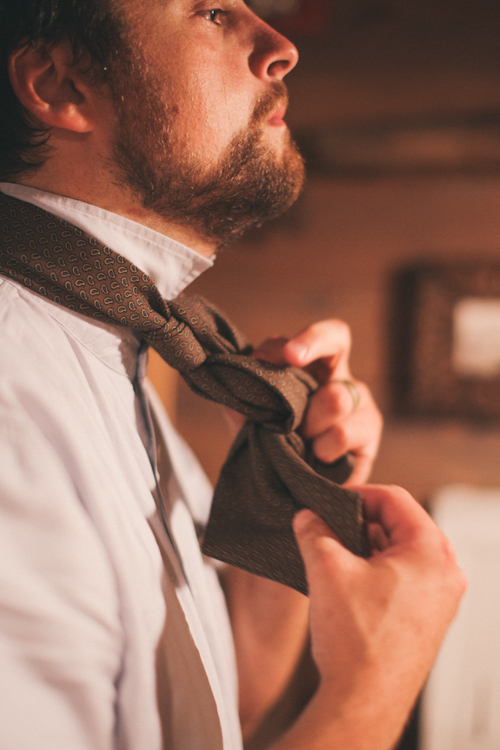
{"x": 113, "y": 629}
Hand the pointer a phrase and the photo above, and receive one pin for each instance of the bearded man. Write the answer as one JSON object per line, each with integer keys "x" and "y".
{"x": 136, "y": 138}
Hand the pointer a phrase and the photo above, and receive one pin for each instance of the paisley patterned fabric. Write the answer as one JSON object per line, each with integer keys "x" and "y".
{"x": 269, "y": 474}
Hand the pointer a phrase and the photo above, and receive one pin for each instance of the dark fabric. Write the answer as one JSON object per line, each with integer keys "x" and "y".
{"x": 268, "y": 475}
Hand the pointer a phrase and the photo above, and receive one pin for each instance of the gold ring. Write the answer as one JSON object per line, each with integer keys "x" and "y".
{"x": 354, "y": 392}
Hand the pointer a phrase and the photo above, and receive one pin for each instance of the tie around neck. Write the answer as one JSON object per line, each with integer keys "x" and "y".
{"x": 269, "y": 474}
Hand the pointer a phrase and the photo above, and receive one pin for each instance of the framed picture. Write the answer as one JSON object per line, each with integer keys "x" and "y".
{"x": 446, "y": 353}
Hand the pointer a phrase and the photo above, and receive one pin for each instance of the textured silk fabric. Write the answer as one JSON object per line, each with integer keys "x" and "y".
{"x": 266, "y": 478}
{"x": 169, "y": 264}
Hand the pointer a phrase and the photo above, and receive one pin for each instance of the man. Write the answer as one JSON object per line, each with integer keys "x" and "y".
{"x": 156, "y": 129}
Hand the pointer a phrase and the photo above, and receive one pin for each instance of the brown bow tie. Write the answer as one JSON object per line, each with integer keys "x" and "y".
{"x": 268, "y": 475}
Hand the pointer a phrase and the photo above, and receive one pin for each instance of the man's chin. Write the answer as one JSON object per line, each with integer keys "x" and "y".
{"x": 260, "y": 177}
{"x": 277, "y": 136}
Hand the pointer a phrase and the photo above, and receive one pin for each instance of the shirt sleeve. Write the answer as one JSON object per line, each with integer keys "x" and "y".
{"x": 61, "y": 640}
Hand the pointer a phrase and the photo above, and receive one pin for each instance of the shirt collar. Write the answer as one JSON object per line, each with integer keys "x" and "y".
{"x": 168, "y": 263}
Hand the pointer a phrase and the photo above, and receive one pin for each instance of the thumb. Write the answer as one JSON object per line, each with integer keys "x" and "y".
{"x": 319, "y": 547}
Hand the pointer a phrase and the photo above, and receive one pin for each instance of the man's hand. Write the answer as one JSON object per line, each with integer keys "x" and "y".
{"x": 331, "y": 422}
{"x": 376, "y": 624}
{"x": 269, "y": 621}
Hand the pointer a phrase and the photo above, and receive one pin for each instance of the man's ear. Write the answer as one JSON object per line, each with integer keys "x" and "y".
{"x": 50, "y": 86}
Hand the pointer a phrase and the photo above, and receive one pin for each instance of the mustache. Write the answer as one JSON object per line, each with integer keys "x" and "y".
{"x": 267, "y": 103}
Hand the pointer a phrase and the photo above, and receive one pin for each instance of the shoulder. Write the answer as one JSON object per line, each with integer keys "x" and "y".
{"x": 25, "y": 320}
{"x": 34, "y": 349}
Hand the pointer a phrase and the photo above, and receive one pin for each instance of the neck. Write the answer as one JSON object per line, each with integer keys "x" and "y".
{"x": 104, "y": 193}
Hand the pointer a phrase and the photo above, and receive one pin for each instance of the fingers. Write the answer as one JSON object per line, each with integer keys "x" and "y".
{"x": 399, "y": 532}
{"x": 334, "y": 421}
{"x": 323, "y": 348}
{"x": 307, "y": 524}
{"x": 327, "y": 344}
{"x": 354, "y": 436}
{"x": 393, "y": 517}
{"x": 391, "y": 506}
{"x": 377, "y": 624}
{"x": 335, "y": 429}
{"x": 271, "y": 350}
{"x": 362, "y": 468}
{"x": 377, "y": 538}
{"x": 331, "y": 400}
{"x": 319, "y": 546}
{"x": 331, "y": 406}
{"x": 402, "y": 518}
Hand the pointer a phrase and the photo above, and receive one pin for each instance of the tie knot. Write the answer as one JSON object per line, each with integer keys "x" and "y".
{"x": 216, "y": 361}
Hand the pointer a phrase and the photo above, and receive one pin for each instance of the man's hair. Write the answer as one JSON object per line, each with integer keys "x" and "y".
{"x": 93, "y": 30}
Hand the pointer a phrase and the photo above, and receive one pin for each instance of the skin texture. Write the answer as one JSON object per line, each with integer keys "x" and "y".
{"x": 214, "y": 71}
{"x": 376, "y": 624}
{"x": 249, "y": 181}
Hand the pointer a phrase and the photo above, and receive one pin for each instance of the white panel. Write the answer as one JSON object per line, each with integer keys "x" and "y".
{"x": 476, "y": 337}
{"x": 461, "y": 703}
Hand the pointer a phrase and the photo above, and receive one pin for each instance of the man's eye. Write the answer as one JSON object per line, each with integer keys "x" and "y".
{"x": 214, "y": 14}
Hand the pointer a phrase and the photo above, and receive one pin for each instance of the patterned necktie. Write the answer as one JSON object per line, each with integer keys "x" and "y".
{"x": 269, "y": 473}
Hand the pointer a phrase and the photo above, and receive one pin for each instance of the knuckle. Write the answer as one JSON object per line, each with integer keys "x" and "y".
{"x": 338, "y": 434}
{"x": 452, "y": 575}
{"x": 368, "y": 402}
{"x": 448, "y": 549}
{"x": 338, "y": 328}
{"x": 312, "y": 539}
{"x": 399, "y": 492}
{"x": 336, "y": 398}
{"x": 331, "y": 444}
{"x": 377, "y": 413}
{"x": 462, "y": 582}
{"x": 342, "y": 327}
{"x": 457, "y": 582}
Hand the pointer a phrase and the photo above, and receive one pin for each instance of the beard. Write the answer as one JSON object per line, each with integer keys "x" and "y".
{"x": 250, "y": 183}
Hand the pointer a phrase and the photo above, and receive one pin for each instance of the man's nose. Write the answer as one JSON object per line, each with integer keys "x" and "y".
{"x": 273, "y": 55}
